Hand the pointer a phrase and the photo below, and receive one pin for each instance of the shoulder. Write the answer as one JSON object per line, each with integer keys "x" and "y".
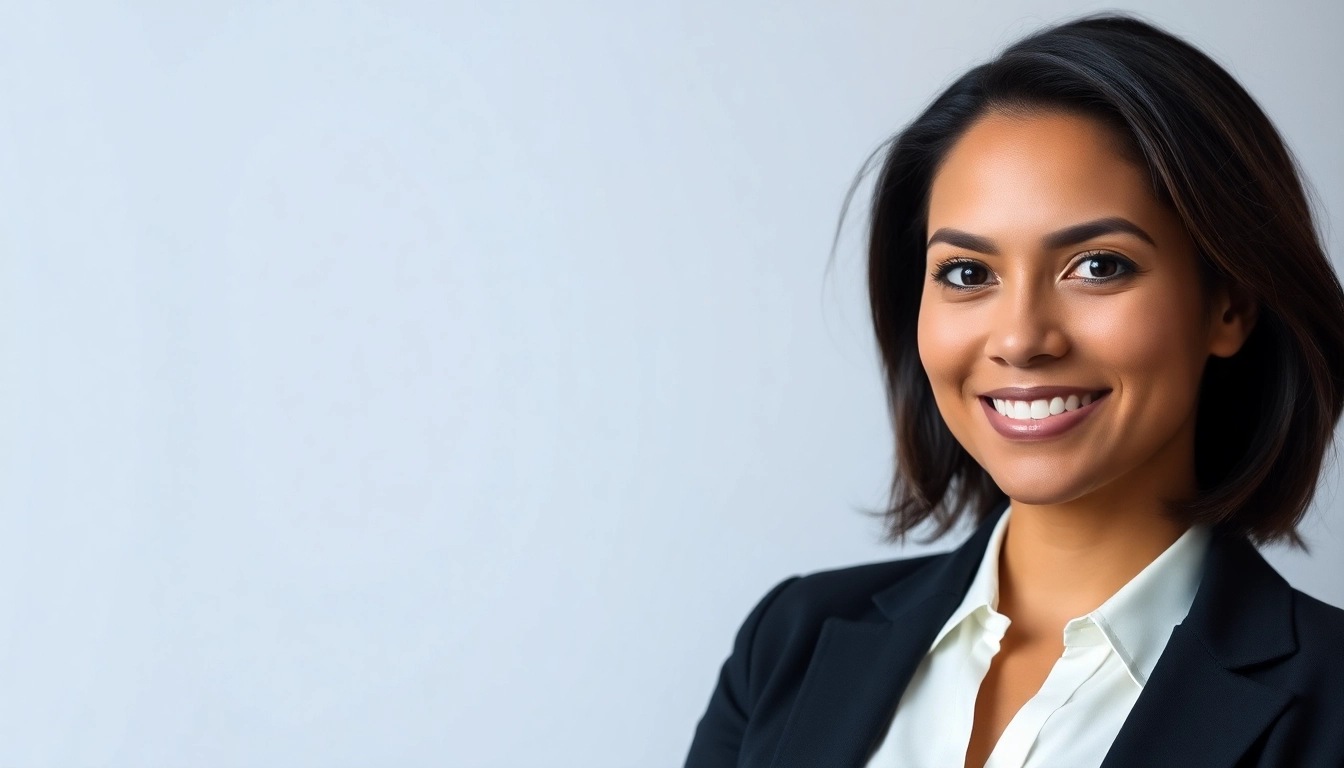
{"x": 1311, "y": 730}
{"x": 1317, "y": 616}
{"x": 841, "y": 592}
{"x": 1320, "y": 633}
{"x": 785, "y": 625}
{"x": 772, "y": 651}
{"x": 776, "y": 641}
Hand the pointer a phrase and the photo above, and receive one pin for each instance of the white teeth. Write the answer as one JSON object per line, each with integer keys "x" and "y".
{"x": 1041, "y": 409}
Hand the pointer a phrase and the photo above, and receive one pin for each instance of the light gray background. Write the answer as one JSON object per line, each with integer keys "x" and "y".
{"x": 410, "y": 384}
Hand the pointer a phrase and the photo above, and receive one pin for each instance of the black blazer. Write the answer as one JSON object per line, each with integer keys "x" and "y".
{"x": 1254, "y": 675}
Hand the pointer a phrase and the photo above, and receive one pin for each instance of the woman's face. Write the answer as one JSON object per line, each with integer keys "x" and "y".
{"x": 1060, "y": 287}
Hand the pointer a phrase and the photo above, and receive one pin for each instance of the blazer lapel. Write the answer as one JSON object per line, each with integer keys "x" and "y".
{"x": 1196, "y": 710}
{"x": 859, "y": 669}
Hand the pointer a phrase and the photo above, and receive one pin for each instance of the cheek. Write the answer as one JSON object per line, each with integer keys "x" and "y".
{"x": 947, "y": 344}
{"x": 1149, "y": 338}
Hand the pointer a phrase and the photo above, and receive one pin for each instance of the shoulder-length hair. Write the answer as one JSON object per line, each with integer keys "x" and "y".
{"x": 1267, "y": 414}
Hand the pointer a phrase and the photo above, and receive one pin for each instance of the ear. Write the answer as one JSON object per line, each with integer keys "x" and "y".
{"x": 1234, "y": 313}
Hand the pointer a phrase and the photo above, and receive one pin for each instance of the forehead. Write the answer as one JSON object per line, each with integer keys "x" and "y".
{"x": 1033, "y": 172}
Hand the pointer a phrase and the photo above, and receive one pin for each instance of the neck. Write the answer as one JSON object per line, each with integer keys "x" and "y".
{"x": 1063, "y": 560}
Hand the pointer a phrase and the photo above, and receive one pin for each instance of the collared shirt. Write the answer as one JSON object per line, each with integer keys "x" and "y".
{"x": 1076, "y": 714}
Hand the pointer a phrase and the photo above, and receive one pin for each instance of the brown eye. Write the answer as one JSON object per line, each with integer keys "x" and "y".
{"x": 1102, "y": 267}
{"x": 965, "y": 274}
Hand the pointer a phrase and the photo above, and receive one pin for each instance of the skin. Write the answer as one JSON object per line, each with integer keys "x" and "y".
{"x": 1088, "y": 505}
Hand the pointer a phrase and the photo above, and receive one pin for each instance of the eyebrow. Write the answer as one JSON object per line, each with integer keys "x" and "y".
{"x": 1072, "y": 235}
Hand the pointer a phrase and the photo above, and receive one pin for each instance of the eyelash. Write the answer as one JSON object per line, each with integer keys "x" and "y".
{"x": 945, "y": 268}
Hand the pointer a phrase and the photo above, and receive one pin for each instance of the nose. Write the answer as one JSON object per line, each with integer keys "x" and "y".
{"x": 1027, "y": 329}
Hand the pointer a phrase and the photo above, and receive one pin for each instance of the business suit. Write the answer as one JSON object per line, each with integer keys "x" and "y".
{"x": 1254, "y": 676}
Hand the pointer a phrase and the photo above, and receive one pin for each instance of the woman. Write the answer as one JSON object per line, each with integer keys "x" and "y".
{"x": 1111, "y": 335}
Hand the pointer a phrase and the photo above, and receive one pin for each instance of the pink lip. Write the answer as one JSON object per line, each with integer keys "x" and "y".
{"x": 1037, "y": 393}
{"x": 1036, "y": 429}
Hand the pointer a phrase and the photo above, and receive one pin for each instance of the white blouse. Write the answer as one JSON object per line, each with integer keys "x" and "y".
{"x": 1074, "y": 717}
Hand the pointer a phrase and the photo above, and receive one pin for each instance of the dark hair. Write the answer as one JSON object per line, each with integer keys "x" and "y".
{"x": 1217, "y": 161}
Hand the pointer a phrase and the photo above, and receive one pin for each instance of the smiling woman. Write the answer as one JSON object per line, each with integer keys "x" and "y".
{"x": 1070, "y": 289}
{"x": 1112, "y": 337}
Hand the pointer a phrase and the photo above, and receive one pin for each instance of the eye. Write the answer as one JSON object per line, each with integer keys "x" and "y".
{"x": 963, "y": 273}
{"x": 1102, "y": 266}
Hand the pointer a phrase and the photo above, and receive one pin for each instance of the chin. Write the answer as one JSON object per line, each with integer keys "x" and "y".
{"x": 1041, "y": 483}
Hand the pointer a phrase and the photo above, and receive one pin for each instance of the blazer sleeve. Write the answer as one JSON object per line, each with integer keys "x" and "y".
{"x": 718, "y": 737}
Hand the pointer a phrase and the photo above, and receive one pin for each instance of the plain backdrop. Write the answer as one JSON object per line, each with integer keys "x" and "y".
{"x": 424, "y": 384}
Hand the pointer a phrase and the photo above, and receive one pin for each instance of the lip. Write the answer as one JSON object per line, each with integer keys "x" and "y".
{"x": 1037, "y": 429}
{"x": 1038, "y": 393}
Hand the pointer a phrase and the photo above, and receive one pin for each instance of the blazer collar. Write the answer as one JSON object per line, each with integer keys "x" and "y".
{"x": 1243, "y": 611}
{"x": 1195, "y": 711}
{"x": 859, "y": 669}
{"x": 943, "y": 580}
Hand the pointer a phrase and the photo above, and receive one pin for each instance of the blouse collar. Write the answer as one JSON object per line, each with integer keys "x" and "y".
{"x": 1135, "y": 621}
